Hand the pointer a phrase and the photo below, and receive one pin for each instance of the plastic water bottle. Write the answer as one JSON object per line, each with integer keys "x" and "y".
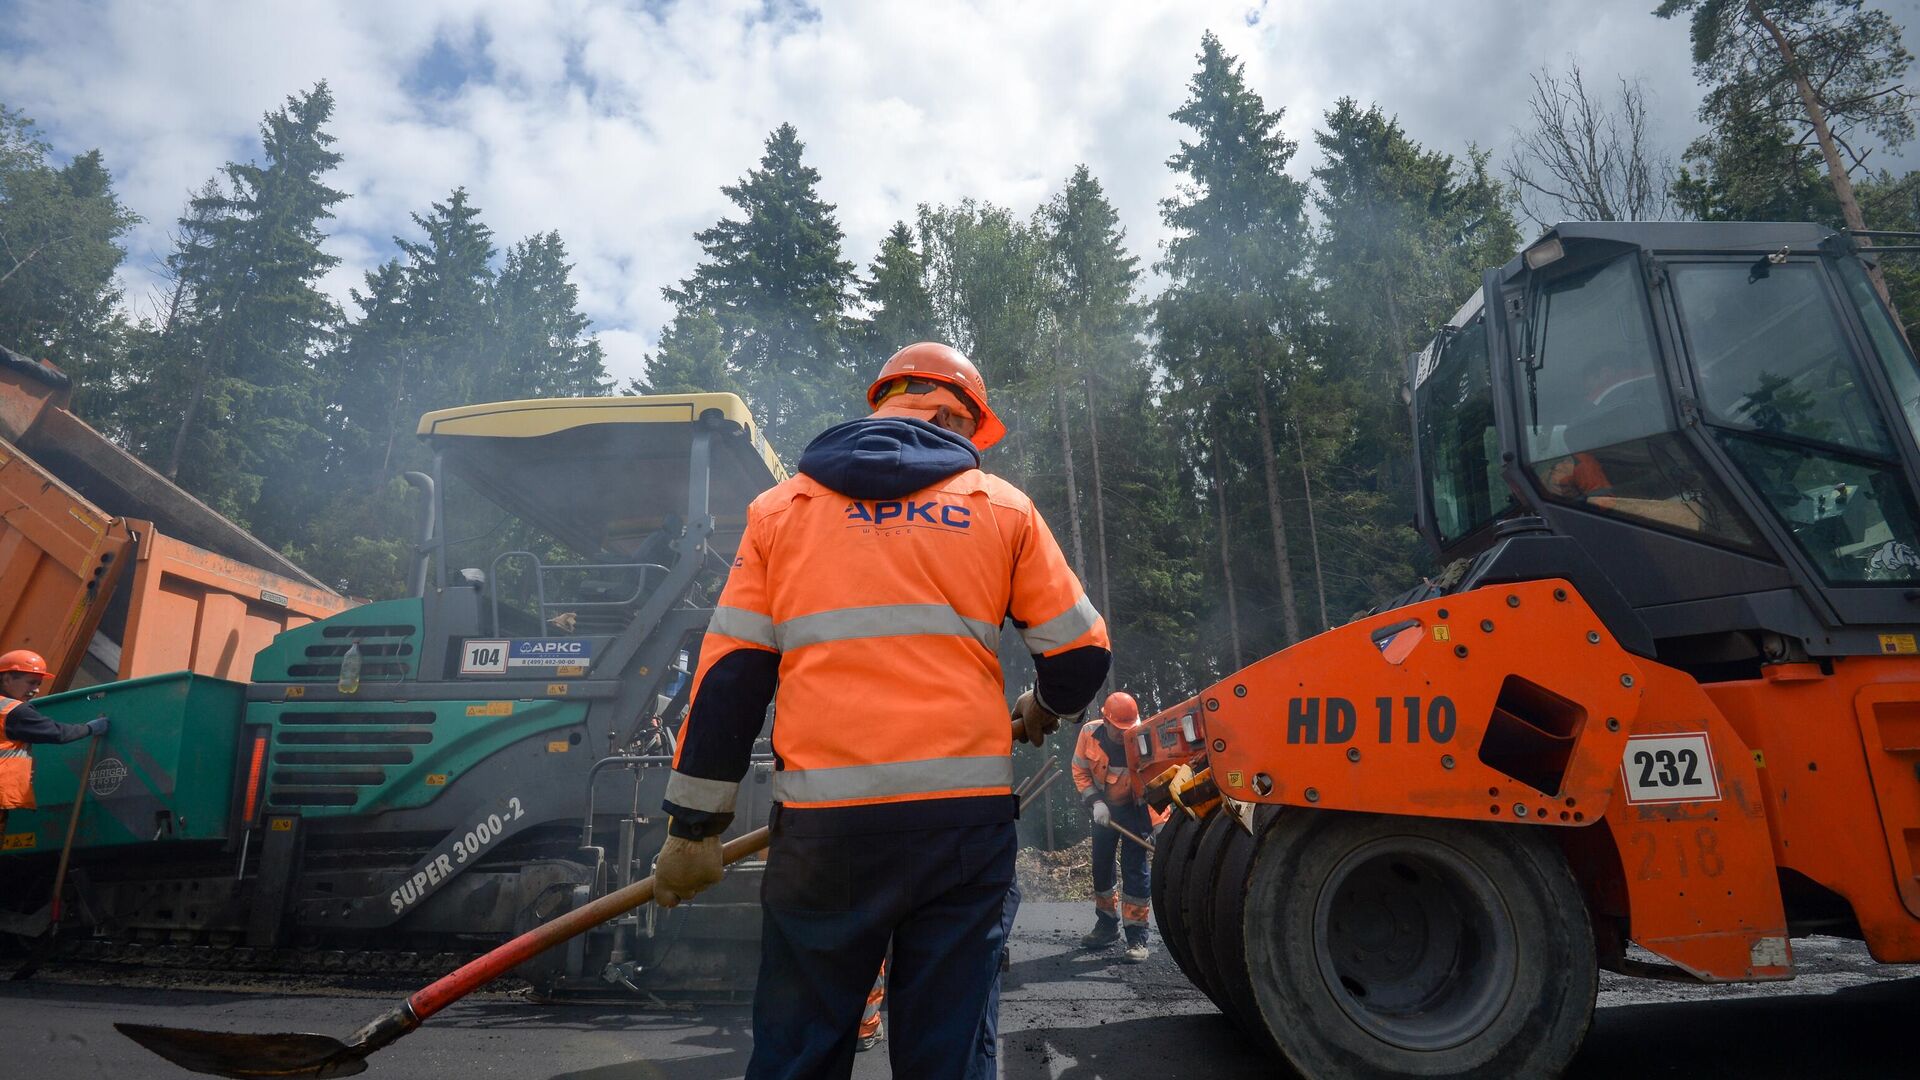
{"x": 350, "y": 670}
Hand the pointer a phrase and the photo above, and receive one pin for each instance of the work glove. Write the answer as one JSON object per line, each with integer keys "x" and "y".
{"x": 1102, "y": 815}
{"x": 1038, "y": 721}
{"x": 98, "y": 725}
{"x": 685, "y": 868}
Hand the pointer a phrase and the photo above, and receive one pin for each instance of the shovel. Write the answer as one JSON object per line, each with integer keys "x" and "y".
{"x": 246, "y": 1056}
{"x": 224, "y": 1053}
{"x": 45, "y": 947}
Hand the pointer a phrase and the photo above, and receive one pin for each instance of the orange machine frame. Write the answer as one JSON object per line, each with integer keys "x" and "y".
{"x": 1513, "y": 705}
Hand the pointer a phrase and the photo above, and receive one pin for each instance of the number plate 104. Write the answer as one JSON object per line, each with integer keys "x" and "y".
{"x": 1670, "y": 768}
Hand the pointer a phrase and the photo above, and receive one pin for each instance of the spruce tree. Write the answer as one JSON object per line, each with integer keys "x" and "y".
{"x": 1096, "y": 325}
{"x": 900, "y": 309}
{"x": 60, "y": 230}
{"x": 450, "y": 285}
{"x": 541, "y": 339}
{"x": 249, "y": 261}
{"x": 1404, "y": 234}
{"x": 986, "y": 274}
{"x": 1230, "y": 322}
{"x": 692, "y": 358}
{"x": 777, "y": 286}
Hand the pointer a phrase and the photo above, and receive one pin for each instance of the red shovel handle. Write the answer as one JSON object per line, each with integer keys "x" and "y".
{"x": 484, "y": 969}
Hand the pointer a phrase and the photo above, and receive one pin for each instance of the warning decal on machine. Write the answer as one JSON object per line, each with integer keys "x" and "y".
{"x": 1670, "y": 768}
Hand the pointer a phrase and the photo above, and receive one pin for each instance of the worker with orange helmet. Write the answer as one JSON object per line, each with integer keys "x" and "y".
{"x": 1106, "y": 787}
{"x": 22, "y": 674}
{"x": 867, "y": 596}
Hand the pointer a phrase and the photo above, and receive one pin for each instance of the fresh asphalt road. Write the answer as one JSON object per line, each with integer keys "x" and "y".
{"x": 1067, "y": 1015}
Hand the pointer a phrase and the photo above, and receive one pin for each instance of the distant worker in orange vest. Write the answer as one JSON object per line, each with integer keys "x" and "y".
{"x": 22, "y": 674}
{"x": 866, "y": 600}
{"x": 1106, "y": 787}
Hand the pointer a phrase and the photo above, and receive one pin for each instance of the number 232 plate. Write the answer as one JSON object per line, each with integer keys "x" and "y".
{"x": 1669, "y": 768}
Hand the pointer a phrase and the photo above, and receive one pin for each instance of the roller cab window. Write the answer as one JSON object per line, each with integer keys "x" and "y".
{"x": 1782, "y": 389}
{"x": 1459, "y": 446}
{"x": 1598, "y": 430}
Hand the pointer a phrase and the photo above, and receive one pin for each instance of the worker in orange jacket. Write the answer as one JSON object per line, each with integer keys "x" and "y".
{"x": 22, "y": 674}
{"x": 1106, "y": 787}
{"x": 866, "y": 601}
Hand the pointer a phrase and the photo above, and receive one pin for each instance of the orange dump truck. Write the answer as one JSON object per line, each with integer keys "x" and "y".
{"x": 109, "y": 569}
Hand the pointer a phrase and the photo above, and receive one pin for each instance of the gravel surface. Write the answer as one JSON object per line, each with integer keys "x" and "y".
{"x": 1067, "y": 1015}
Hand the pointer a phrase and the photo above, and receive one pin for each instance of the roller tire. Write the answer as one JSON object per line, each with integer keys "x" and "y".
{"x": 1381, "y": 945}
{"x": 1170, "y": 854}
{"x": 1197, "y": 903}
{"x": 1229, "y": 926}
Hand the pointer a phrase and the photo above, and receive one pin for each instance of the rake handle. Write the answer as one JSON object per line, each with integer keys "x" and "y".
{"x": 73, "y": 827}
{"x": 1129, "y": 834}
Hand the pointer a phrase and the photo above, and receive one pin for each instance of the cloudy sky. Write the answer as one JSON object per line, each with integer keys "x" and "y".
{"x": 617, "y": 123}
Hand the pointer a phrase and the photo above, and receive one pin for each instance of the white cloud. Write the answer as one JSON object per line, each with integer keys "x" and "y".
{"x": 617, "y": 125}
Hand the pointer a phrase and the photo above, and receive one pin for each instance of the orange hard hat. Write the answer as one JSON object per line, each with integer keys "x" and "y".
{"x": 1121, "y": 710}
{"x": 23, "y": 662}
{"x": 943, "y": 364}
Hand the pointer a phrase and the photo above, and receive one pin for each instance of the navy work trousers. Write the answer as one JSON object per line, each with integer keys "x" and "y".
{"x": 1135, "y": 880}
{"x": 985, "y": 1064}
{"x": 830, "y": 905}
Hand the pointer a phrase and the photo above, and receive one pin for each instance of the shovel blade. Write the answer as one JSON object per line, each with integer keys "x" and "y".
{"x": 248, "y": 1055}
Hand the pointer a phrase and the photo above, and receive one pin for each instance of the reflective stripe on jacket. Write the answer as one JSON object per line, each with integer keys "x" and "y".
{"x": 1098, "y": 774}
{"x": 884, "y": 616}
{"x": 16, "y": 766}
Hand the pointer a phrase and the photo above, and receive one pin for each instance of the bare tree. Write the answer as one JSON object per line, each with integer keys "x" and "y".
{"x": 1586, "y": 158}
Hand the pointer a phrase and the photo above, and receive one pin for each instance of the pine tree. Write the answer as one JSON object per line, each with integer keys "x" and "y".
{"x": 1404, "y": 233}
{"x": 986, "y": 272}
{"x": 900, "y": 309}
{"x": 1831, "y": 69}
{"x": 541, "y": 339}
{"x": 1230, "y": 319}
{"x": 450, "y": 287}
{"x": 423, "y": 342}
{"x": 249, "y": 260}
{"x": 1096, "y": 327}
{"x": 60, "y": 230}
{"x": 369, "y": 374}
{"x": 777, "y": 286}
{"x": 692, "y": 358}
{"x": 1750, "y": 168}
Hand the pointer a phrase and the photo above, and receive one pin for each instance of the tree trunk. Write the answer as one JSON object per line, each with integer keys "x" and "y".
{"x": 1073, "y": 492}
{"x": 1829, "y": 149}
{"x": 1099, "y": 508}
{"x": 1226, "y": 548}
{"x": 201, "y": 374}
{"x": 1313, "y": 530}
{"x": 1276, "y": 517}
{"x": 400, "y": 397}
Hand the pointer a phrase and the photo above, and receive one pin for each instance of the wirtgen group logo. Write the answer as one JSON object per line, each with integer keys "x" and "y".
{"x": 107, "y": 776}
